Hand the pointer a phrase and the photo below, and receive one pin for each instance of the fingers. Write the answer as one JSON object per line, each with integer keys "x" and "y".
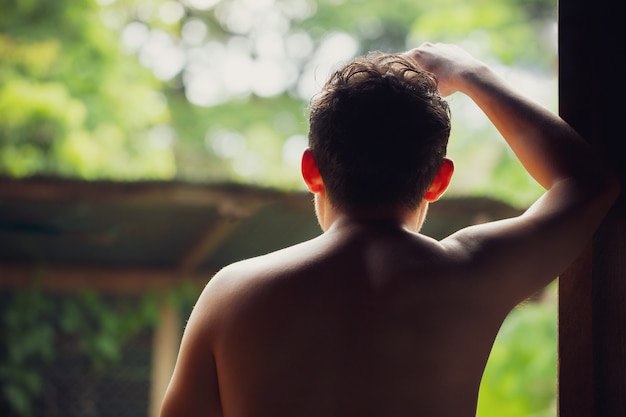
{"x": 447, "y": 62}
{"x": 433, "y": 58}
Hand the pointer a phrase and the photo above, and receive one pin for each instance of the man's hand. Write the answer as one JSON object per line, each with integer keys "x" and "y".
{"x": 450, "y": 64}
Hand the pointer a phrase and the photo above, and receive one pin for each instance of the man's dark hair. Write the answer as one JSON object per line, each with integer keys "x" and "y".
{"x": 378, "y": 132}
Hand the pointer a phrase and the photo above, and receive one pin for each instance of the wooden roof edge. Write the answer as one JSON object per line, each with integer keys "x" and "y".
{"x": 104, "y": 279}
{"x": 476, "y": 203}
{"x": 228, "y": 195}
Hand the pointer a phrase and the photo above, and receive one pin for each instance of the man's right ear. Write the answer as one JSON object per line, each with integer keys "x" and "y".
{"x": 441, "y": 181}
{"x": 311, "y": 173}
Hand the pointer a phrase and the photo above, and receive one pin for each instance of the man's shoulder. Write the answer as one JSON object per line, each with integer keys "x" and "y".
{"x": 272, "y": 264}
{"x": 299, "y": 252}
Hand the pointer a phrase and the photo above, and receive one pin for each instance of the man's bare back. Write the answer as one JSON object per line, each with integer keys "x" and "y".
{"x": 374, "y": 319}
{"x": 363, "y": 321}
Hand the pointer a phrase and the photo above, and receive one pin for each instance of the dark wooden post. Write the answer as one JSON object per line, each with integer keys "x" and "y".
{"x": 592, "y": 293}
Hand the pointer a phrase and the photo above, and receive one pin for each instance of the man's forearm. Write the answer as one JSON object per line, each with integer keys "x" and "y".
{"x": 549, "y": 148}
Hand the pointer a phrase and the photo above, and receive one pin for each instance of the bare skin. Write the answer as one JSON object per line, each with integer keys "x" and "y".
{"x": 374, "y": 319}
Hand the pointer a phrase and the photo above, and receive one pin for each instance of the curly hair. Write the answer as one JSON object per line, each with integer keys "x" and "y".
{"x": 378, "y": 132}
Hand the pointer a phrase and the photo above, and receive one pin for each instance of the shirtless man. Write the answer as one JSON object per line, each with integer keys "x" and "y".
{"x": 372, "y": 318}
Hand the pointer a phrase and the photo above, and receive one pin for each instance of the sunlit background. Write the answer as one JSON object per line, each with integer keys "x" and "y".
{"x": 211, "y": 91}
{"x": 207, "y": 90}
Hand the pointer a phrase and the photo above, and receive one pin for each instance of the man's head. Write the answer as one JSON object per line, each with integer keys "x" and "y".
{"x": 378, "y": 133}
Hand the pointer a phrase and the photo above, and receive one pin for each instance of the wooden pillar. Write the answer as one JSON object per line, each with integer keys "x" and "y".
{"x": 592, "y": 293}
{"x": 165, "y": 350}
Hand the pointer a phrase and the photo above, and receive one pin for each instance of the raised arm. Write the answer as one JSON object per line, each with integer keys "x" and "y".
{"x": 525, "y": 253}
{"x": 549, "y": 148}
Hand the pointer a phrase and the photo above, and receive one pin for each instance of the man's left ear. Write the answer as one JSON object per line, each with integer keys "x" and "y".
{"x": 311, "y": 173}
{"x": 441, "y": 181}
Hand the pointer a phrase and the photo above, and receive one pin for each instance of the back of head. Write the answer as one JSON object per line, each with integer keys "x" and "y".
{"x": 378, "y": 132}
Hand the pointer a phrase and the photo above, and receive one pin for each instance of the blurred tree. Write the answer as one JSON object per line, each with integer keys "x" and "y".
{"x": 230, "y": 81}
{"x": 70, "y": 103}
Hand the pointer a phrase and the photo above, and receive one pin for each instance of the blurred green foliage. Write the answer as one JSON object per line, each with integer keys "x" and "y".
{"x": 70, "y": 103}
{"x": 210, "y": 90}
{"x": 36, "y": 324}
{"x": 27, "y": 341}
{"x": 520, "y": 377}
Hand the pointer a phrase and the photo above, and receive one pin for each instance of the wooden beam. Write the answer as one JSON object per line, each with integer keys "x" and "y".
{"x": 592, "y": 293}
{"x": 609, "y": 317}
{"x": 207, "y": 242}
{"x": 232, "y": 199}
{"x": 68, "y": 279}
{"x": 211, "y": 238}
{"x": 164, "y": 352}
{"x": 575, "y": 345}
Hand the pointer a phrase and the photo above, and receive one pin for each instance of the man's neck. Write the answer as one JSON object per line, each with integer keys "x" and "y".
{"x": 411, "y": 220}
